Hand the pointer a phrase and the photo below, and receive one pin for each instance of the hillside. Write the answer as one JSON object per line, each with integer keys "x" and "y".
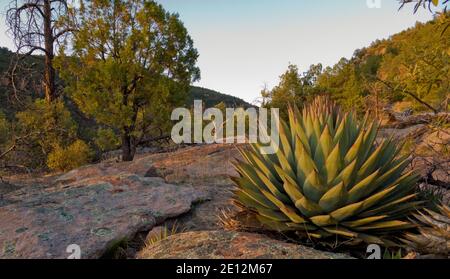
{"x": 411, "y": 67}
{"x": 32, "y": 85}
{"x": 409, "y": 71}
{"x": 21, "y": 115}
{"x": 210, "y": 97}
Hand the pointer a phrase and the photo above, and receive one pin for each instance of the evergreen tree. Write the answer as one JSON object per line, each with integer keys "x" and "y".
{"x": 132, "y": 62}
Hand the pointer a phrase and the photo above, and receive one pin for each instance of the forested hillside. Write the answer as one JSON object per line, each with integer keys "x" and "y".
{"x": 22, "y": 112}
{"x": 58, "y": 105}
{"x": 409, "y": 70}
{"x": 210, "y": 97}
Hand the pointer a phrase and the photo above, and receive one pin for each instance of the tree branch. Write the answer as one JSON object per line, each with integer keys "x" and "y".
{"x": 414, "y": 96}
{"x": 28, "y": 6}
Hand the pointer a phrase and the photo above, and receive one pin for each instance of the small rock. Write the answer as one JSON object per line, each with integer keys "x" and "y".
{"x": 152, "y": 172}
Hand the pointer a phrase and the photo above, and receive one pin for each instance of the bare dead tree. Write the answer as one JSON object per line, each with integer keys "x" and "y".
{"x": 37, "y": 27}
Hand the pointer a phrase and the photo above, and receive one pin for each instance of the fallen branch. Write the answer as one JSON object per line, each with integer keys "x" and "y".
{"x": 429, "y": 179}
{"x": 9, "y": 150}
{"x": 418, "y": 119}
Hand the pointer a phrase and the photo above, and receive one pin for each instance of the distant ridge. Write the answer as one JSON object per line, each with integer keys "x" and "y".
{"x": 212, "y": 98}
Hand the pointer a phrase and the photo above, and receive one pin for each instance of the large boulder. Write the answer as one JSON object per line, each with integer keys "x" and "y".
{"x": 96, "y": 212}
{"x": 229, "y": 245}
{"x": 201, "y": 164}
{"x": 207, "y": 168}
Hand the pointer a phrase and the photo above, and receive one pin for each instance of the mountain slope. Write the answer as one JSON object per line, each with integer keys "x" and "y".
{"x": 413, "y": 64}
{"x": 212, "y": 98}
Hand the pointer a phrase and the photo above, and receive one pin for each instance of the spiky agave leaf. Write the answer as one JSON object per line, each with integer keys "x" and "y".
{"x": 434, "y": 232}
{"x": 328, "y": 178}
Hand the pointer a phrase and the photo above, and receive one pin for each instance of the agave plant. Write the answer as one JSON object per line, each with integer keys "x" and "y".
{"x": 329, "y": 177}
{"x": 434, "y": 237}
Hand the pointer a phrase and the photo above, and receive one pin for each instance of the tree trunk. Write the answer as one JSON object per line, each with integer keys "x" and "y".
{"x": 128, "y": 148}
{"x": 49, "y": 71}
{"x": 128, "y": 140}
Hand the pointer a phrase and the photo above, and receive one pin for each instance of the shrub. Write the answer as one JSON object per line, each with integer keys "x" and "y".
{"x": 75, "y": 155}
{"x": 4, "y": 128}
{"x": 42, "y": 127}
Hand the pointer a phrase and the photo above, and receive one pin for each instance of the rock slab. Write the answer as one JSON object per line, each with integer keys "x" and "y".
{"x": 97, "y": 213}
{"x": 229, "y": 245}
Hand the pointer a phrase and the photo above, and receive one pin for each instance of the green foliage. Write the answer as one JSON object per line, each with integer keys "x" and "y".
{"x": 294, "y": 88}
{"x": 329, "y": 179}
{"x": 413, "y": 64}
{"x": 42, "y": 127}
{"x": 53, "y": 122}
{"x": 420, "y": 65}
{"x": 140, "y": 72}
{"x": 42, "y": 136}
{"x": 27, "y": 81}
{"x": 289, "y": 91}
{"x": 345, "y": 84}
{"x": 64, "y": 159}
{"x": 5, "y": 128}
{"x": 212, "y": 98}
{"x": 106, "y": 139}
{"x": 5, "y": 59}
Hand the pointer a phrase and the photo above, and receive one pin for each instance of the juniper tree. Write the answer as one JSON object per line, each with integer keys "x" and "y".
{"x": 130, "y": 63}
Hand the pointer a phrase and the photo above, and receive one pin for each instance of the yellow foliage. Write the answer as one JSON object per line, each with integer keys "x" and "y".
{"x": 4, "y": 128}
{"x": 402, "y": 106}
{"x": 75, "y": 155}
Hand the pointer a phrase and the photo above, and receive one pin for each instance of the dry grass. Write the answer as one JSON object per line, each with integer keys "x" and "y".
{"x": 434, "y": 232}
{"x": 163, "y": 233}
{"x": 228, "y": 221}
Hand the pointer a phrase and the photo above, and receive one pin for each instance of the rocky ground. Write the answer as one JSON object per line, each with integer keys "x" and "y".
{"x": 101, "y": 207}
{"x": 230, "y": 245}
{"x": 111, "y": 206}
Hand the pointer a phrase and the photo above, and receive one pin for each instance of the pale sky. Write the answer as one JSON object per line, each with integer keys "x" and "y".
{"x": 245, "y": 44}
